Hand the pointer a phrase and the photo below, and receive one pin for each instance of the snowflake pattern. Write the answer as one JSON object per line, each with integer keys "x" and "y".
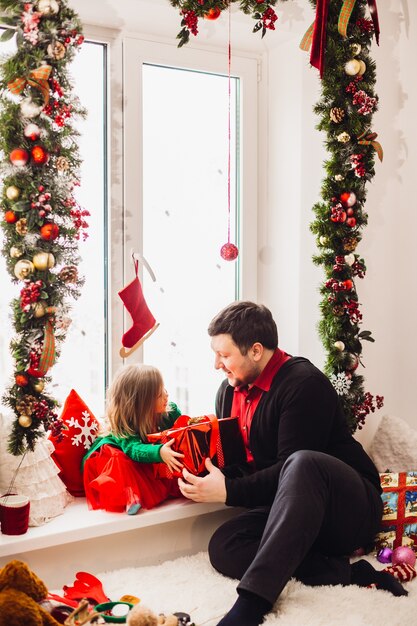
{"x": 88, "y": 430}
{"x": 341, "y": 383}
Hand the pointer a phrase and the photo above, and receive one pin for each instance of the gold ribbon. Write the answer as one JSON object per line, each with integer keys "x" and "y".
{"x": 37, "y": 78}
{"x": 48, "y": 350}
{"x": 368, "y": 139}
{"x": 344, "y": 16}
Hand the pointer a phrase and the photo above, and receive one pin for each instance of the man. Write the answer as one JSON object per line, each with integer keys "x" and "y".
{"x": 312, "y": 493}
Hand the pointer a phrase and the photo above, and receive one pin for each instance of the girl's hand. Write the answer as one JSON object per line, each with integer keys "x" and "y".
{"x": 170, "y": 457}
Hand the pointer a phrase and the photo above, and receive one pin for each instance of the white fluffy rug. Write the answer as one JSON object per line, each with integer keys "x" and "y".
{"x": 190, "y": 584}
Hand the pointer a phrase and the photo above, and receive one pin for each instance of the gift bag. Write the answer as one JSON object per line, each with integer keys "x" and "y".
{"x": 201, "y": 437}
{"x": 399, "y": 519}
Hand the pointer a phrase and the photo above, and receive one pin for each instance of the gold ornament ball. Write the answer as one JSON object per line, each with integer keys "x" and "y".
{"x": 39, "y": 386}
{"x": 39, "y": 309}
{"x": 12, "y": 192}
{"x": 15, "y": 252}
{"x": 323, "y": 240}
{"x": 343, "y": 137}
{"x": 48, "y": 7}
{"x": 362, "y": 68}
{"x": 43, "y": 260}
{"x": 339, "y": 345}
{"x": 25, "y": 421}
{"x": 23, "y": 269}
{"x": 356, "y": 49}
{"x": 352, "y": 67}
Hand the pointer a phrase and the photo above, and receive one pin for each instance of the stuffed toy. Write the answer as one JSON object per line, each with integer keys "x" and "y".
{"x": 142, "y": 616}
{"x": 20, "y": 592}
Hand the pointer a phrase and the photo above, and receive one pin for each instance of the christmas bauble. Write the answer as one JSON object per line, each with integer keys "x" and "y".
{"x": 212, "y": 14}
{"x": 25, "y": 421}
{"x": 384, "y": 555}
{"x": 39, "y": 309}
{"x": 12, "y": 192}
{"x": 323, "y": 241}
{"x": 352, "y": 67}
{"x": 21, "y": 380}
{"x": 19, "y": 157}
{"x": 43, "y": 260}
{"x": 32, "y": 131}
{"x": 348, "y": 284}
{"x": 349, "y": 259}
{"x": 49, "y": 231}
{"x": 403, "y": 554}
{"x": 339, "y": 345}
{"x": 362, "y": 68}
{"x": 29, "y": 108}
{"x": 10, "y": 217}
{"x": 351, "y": 222}
{"x": 15, "y": 252}
{"x": 39, "y": 155}
{"x": 47, "y": 7}
{"x": 356, "y": 49}
{"x": 23, "y": 269}
{"x": 229, "y": 252}
{"x": 348, "y": 198}
{"x": 343, "y": 137}
{"x": 39, "y": 386}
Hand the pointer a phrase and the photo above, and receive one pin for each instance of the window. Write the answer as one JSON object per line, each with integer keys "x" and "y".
{"x": 177, "y": 137}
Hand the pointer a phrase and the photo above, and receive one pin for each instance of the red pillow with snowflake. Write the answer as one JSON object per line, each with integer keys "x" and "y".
{"x": 80, "y": 430}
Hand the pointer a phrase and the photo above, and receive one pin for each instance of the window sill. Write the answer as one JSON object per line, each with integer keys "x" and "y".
{"x": 78, "y": 523}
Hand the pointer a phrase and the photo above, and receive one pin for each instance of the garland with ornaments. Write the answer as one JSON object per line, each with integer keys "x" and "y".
{"x": 339, "y": 42}
{"x": 41, "y": 219}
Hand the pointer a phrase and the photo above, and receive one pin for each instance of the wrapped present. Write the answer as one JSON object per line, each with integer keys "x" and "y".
{"x": 201, "y": 437}
{"x": 399, "y": 520}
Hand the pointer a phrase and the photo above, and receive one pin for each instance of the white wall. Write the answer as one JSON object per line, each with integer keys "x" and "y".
{"x": 290, "y": 170}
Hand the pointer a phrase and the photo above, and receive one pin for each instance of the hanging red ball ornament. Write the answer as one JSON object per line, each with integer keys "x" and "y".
{"x": 348, "y": 198}
{"x": 229, "y": 252}
{"x": 39, "y": 155}
{"x": 32, "y": 132}
{"x": 10, "y": 217}
{"x": 19, "y": 157}
{"x": 212, "y": 14}
{"x": 49, "y": 231}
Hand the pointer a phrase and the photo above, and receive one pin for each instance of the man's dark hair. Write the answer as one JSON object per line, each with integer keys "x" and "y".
{"x": 247, "y": 323}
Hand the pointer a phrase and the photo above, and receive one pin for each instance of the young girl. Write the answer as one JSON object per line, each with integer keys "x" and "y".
{"x": 118, "y": 470}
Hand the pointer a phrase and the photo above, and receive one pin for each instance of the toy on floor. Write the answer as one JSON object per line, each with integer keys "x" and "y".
{"x": 141, "y": 615}
{"x": 88, "y": 586}
{"x": 20, "y": 592}
{"x": 84, "y": 615}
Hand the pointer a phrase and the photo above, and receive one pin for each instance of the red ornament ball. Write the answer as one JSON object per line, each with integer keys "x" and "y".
{"x": 49, "y": 231}
{"x": 19, "y": 157}
{"x": 10, "y": 217}
{"x": 351, "y": 222}
{"x": 39, "y": 155}
{"x": 348, "y": 198}
{"x": 348, "y": 284}
{"x": 21, "y": 380}
{"x": 229, "y": 252}
{"x": 212, "y": 14}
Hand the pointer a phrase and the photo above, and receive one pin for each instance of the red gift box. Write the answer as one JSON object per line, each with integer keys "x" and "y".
{"x": 399, "y": 520}
{"x": 201, "y": 437}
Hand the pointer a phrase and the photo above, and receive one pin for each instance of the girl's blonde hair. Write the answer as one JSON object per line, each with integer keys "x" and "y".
{"x": 131, "y": 400}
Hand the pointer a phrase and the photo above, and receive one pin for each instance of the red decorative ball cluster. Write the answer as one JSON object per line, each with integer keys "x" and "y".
{"x": 30, "y": 294}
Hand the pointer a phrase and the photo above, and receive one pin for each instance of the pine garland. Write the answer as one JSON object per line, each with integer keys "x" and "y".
{"x": 345, "y": 111}
{"x": 41, "y": 220}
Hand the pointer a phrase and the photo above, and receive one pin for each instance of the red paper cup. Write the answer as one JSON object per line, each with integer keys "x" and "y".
{"x": 14, "y": 514}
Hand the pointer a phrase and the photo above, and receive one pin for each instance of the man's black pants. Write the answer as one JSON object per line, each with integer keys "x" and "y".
{"x": 322, "y": 512}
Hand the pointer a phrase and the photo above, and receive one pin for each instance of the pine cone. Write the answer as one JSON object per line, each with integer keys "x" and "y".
{"x": 336, "y": 115}
{"x": 338, "y": 310}
{"x": 69, "y": 274}
{"x": 62, "y": 164}
{"x": 25, "y": 406}
{"x": 350, "y": 243}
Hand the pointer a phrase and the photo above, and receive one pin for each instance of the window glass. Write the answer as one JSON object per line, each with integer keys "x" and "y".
{"x": 185, "y": 222}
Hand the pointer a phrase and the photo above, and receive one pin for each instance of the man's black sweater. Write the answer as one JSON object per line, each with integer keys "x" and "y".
{"x": 301, "y": 411}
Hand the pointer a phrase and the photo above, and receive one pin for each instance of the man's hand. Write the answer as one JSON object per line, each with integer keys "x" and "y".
{"x": 210, "y": 488}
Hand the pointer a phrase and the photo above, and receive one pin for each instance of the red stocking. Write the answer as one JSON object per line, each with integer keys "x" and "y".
{"x": 143, "y": 320}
